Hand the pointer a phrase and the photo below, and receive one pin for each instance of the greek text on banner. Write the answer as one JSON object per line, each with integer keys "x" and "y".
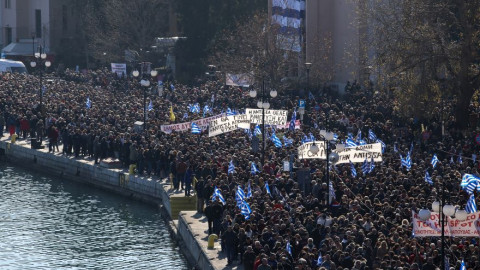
{"x": 272, "y": 117}
{"x": 359, "y": 153}
{"x": 453, "y": 227}
{"x": 228, "y": 123}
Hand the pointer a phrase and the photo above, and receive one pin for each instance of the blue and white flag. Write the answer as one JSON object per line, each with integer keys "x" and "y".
{"x": 150, "y": 106}
{"x": 406, "y": 162}
{"x": 276, "y": 141}
{"x": 267, "y": 189}
{"x": 331, "y": 191}
{"x": 289, "y": 248}
{"x": 462, "y": 266}
{"x": 474, "y": 158}
{"x": 249, "y": 191}
{"x": 335, "y": 137}
{"x": 371, "y": 136}
{"x": 245, "y": 210}
{"x": 361, "y": 142}
{"x": 359, "y": 135}
{"x": 206, "y": 109}
{"x": 384, "y": 146}
{"x": 471, "y": 205}
{"x": 88, "y": 103}
{"x": 291, "y": 127}
{"x": 365, "y": 167}
{"x": 470, "y": 182}
{"x": 254, "y": 170}
{"x": 428, "y": 178}
{"x": 312, "y": 138}
{"x": 249, "y": 133}
{"x": 451, "y": 160}
{"x": 172, "y": 87}
{"x": 230, "y": 112}
{"x": 218, "y": 194}
{"x": 434, "y": 160}
{"x": 239, "y": 196}
{"x": 460, "y": 161}
{"x": 372, "y": 166}
{"x": 195, "y": 129}
{"x": 257, "y": 130}
{"x": 395, "y": 148}
{"x": 196, "y": 108}
{"x": 287, "y": 142}
{"x": 350, "y": 143}
{"x": 353, "y": 170}
{"x": 288, "y": 15}
{"x": 185, "y": 116}
{"x": 310, "y": 96}
{"x": 319, "y": 259}
{"x": 231, "y": 167}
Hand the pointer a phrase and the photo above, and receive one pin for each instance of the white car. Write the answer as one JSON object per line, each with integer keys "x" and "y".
{"x": 12, "y": 66}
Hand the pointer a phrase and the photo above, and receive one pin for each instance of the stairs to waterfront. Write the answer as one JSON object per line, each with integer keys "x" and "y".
{"x": 181, "y": 203}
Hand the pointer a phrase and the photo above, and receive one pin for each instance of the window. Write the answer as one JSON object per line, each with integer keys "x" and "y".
{"x": 8, "y": 4}
{"x": 8, "y": 35}
{"x": 38, "y": 23}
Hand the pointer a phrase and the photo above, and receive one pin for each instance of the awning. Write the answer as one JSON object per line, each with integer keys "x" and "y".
{"x": 18, "y": 48}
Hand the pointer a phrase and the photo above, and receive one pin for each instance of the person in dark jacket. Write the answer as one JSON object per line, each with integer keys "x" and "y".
{"x": 199, "y": 191}
{"x": 249, "y": 258}
{"x": 188, "y": 180}
{"x": 229, "y": 238}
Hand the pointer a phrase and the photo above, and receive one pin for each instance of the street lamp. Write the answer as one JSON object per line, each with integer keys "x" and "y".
{"x": 446, "y": 210}
{"x": 263, "y": 104}
{"x": 145, "y": 83}
{"x": 331, "y": 157}
{"x": 308, "y": 66}
{"x": 40, "y": 60}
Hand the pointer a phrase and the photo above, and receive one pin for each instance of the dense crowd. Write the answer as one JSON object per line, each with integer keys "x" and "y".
{"x": 367, "y": 225}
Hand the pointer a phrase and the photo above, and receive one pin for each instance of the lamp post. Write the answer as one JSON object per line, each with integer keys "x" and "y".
{"x": 145, "y": 83}
{"x": 40, "y": 60}
{"x": 331, "y": 157}
{"x": 307, "y": 67}
{"x": 263, "y": 104}
{"x": 444, "y": 210}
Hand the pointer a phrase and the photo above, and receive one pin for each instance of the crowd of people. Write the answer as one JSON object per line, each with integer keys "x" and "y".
{"x": 293, "y": 225}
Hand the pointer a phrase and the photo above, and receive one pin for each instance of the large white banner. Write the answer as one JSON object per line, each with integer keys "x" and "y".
{"x": 202, "y": 123}
{"x": 272, "y": 117}
{"x": 119, "y": 68}
{"x": 228, "y": 123}
{"x": 453, "y": 227}
{"x": 305, "y": 153}
{"x": 360, "y": 153}
{"x": 287, "y": 125}
{"x": 244, "y": 79}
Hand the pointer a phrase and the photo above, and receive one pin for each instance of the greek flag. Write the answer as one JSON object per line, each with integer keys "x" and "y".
{"x": 287, "y": 141}
{"x": 196, "y": 108}
{"x": 239, "y": 196}
{"x": 276, "y": 141}
{"x": 288, "y": 14}
{"x": 185, "y": 116}
{"x": 195, "y": 129}
{"x": 267, "y": 189}
{"x": 331, "y": 191}
{"x": 384, "y": 146}
{"x": 371, "y": 136}
{"x": 206, "y": 109}
{"x": 257, "y": 131}
{"x": 365, "y": 167}
{"x": 470, "y": 182}
{"x": 291, "y": 127}
{"x": 254, "y": 170}
{"x": 218, "y": 194}
{"x": 434, "y": 160}
{"x": 319, "y": 259}
{"x": 395, "y": 148}
{"x": 428, "y": 179}
{"x": 349, "y": 135}
{"x": 352, "y": 169}
{"x": 150, "y": 106}
{"x": 471, "y": 205}
{"x": 312, "y": 138}
{"x": 249, "y": 191}
{"x": 335, "y": 136}
{"x": 231, "y": 167}
{"x": 88, "y": 103}
{"x": 460, "y": 161}
{"x": 361, "y": 142}
{"x": 451, "y": 160}
{"x": 310, "y": 96}
{"x": 172, "y": 87}
{"x": 407, "y": 161}
{"x": 474, "y": 158}
{"x": 289, "y": 248}
{"x": 245, "y": 210}
{"x": 248, "y": 132}
{"x": 372, "y": 166}
{"x": 462, "y": 266}
{"x": 230, "y": 112}
{"x": 350, "y": 143}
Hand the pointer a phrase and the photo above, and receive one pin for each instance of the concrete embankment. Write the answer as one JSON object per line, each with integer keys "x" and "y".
{"x": 150, "y": 190}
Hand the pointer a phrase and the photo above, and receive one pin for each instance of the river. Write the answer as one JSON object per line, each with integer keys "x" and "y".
{"x": 51, "y": 223}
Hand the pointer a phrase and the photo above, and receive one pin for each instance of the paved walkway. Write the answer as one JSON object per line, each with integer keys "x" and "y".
{"x": 199, "y": 226}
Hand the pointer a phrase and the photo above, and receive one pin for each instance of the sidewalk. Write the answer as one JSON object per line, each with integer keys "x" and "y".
{"x": 199, "y": 228}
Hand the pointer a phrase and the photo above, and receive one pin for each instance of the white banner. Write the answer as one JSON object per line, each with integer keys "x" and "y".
{"x": 227, "y": 124}
{"x": 360, "y": 153}
{"x": 272, "y": 117}
{"x": 287, "y": 125}
{"x": 305, "y": 153}
{"x": 119, "y": 68}
{"x": 453, "y": 227}
{"x": 244, "y": 79}
{"x": 202, "y": 123}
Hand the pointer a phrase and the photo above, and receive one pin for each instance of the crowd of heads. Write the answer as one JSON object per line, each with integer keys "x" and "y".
{"x": 368, "y": 223}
